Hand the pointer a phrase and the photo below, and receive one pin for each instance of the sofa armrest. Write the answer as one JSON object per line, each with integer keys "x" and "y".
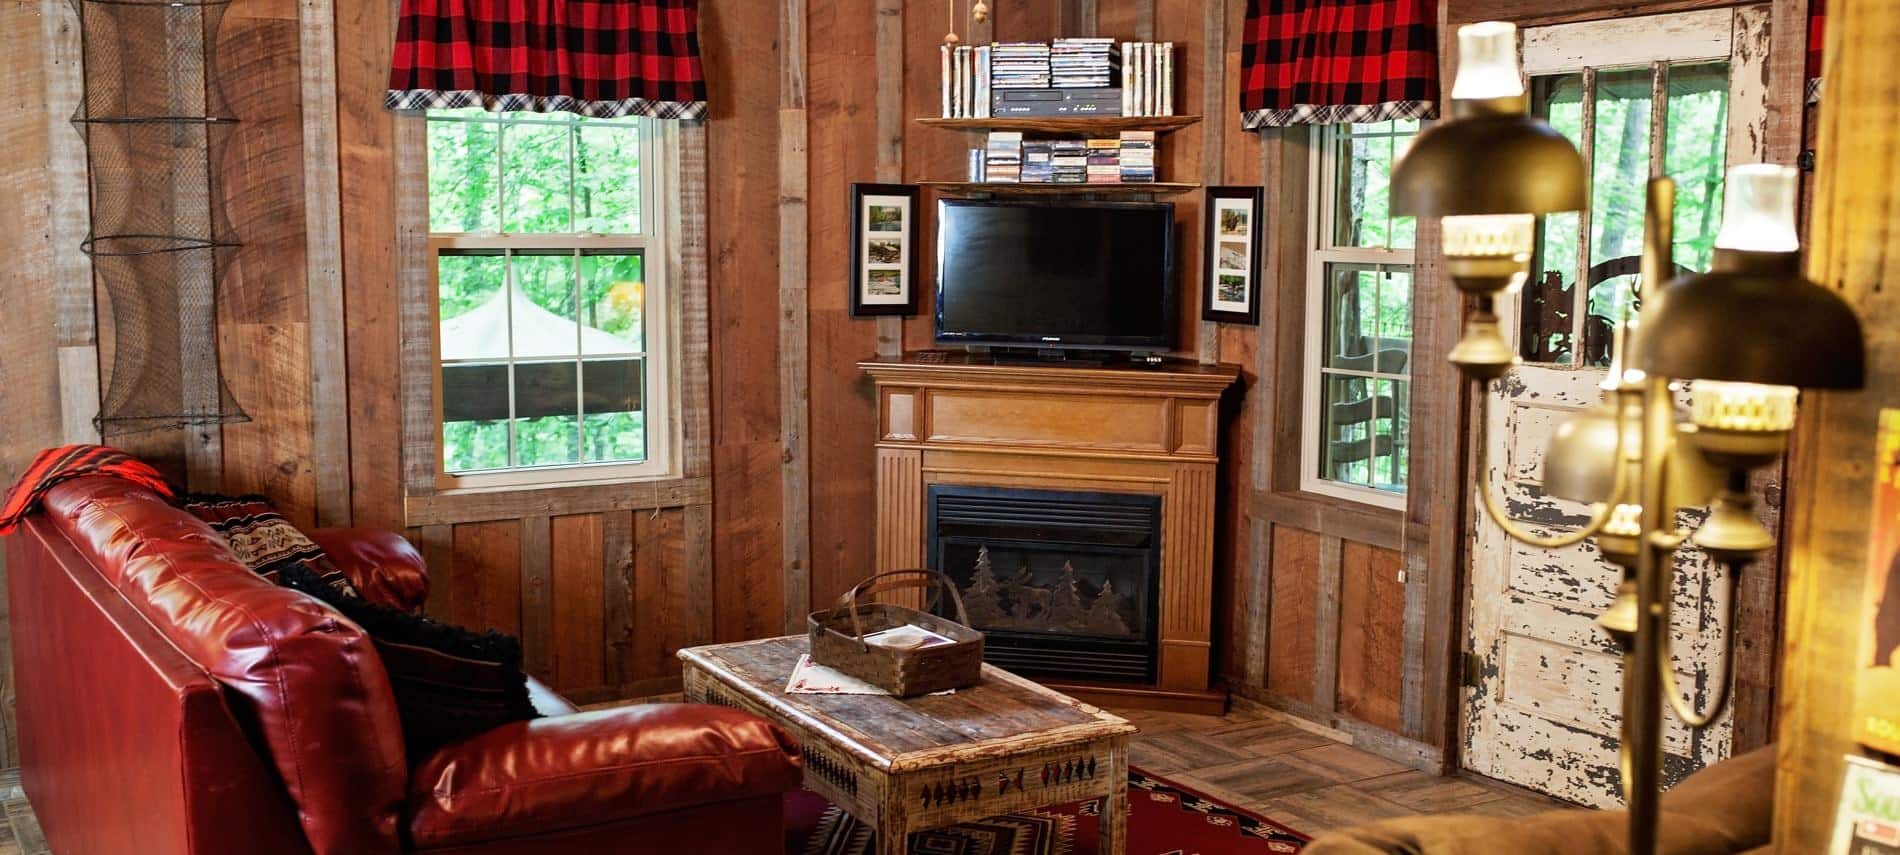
{"x": 385, "y": 568}
{"x": 552, "y": 774}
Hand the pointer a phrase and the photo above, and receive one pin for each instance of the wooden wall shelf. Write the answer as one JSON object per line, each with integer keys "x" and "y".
{"x": 1067, "y": 124}
{"x": 1152, "y": 188}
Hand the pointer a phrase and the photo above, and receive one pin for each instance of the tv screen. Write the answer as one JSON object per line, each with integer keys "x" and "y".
{"x": 1069, "y": 275}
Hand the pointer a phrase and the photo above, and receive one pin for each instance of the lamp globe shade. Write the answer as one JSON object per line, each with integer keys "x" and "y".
{"x": 1753, "y": 318}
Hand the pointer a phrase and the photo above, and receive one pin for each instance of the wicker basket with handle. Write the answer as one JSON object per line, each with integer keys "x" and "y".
{"x": 837, "y": 638}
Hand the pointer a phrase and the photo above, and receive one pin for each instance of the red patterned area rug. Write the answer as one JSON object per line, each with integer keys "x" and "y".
{"x": 1164, "y": 818}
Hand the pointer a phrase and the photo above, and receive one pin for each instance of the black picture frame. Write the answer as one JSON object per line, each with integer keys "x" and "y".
{"x": 1224, "y": 242}
{"x": 872, "y": 235}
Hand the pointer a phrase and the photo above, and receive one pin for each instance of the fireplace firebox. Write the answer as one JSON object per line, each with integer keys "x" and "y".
{"x": 1063, "y": 584}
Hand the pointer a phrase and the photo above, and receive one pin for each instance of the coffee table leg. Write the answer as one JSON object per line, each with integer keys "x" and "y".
{"x": 1113, "y": 836}
{"x": 893, "y": 839}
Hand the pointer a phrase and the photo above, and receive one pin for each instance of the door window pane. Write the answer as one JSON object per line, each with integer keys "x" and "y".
{"x": 1549, "y": 296}
{"x": 1617, "y": 196}
{"x": 1695, "y": 154}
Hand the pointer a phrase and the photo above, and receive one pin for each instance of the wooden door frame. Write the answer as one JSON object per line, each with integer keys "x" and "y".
{"x": 1759, "y": 615}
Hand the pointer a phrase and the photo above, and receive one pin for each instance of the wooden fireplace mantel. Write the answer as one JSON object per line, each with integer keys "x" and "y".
{"x": 953, "y": 418}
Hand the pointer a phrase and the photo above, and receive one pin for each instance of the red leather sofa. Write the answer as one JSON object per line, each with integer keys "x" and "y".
{"x": 171, "y": 701}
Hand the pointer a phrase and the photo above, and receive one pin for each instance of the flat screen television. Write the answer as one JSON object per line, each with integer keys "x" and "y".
{"x": 1089, "y": 275}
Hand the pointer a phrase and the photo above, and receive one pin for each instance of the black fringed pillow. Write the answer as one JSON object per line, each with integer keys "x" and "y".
{"x": 450, "y": 683}
{"x": 263, "y": 539}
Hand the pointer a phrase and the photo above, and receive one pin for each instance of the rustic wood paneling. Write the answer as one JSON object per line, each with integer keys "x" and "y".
{"x": 578, "y": 601}
{"x": 845, "y": 147}
{"x": 30, "y": 401}
{"x": 485, "y": 576}
{"x": 367, "y": 185}
{"x": 1371, "y": 637}
{"x": 1854, "y": 241}
{"x": 1293, "y": 624}
{"x": 664, "y": 616}
{"x": 739, "y": 44}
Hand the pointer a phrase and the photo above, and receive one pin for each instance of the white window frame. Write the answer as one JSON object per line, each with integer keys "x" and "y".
{"x": 1323, "y": 189}
{"x": 660, "y": 319}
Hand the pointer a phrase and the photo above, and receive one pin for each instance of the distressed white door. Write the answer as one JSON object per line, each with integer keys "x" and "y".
{"x": 1682, "y": 95}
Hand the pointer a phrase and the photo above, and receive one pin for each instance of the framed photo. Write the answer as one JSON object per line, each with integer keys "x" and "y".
{"x": 884, "y": 252}
{"x": 1230, "y": 292}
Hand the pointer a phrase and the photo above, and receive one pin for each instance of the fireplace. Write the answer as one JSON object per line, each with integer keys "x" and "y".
{"x": 1063, "y": 584}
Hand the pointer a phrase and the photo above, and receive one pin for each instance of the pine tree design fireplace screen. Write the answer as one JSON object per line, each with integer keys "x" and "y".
{"x": 1063, "y": 584}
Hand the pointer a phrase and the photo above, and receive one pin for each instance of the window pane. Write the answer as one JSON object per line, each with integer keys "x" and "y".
{"x": 1395, "y": 318}
{"x": 1548, "y": 295}
{"x": 1356, "y": 306}
{"x": 1621, "y": 174}
{"x": 1363, "y": 158}
{"x": 1346, "y": 429}
{"x": 473, "y": 446}
{"x": 613, "y": 303}
{"x": 463, "y": 179}
{"x": 615, "y": 426}
{"x": 547, "y": 413}
{"x": 542, "y": 311}
{"x": 474, "y": 317}
{"x": 1695, "y": 151}
{"x": 536, "y": 176}
{"x": 474, "y": 417}
{"x": 607, "y": 176}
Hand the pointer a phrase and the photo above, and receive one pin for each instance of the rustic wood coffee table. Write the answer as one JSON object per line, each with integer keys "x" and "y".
{"x": 1002, "y": 746}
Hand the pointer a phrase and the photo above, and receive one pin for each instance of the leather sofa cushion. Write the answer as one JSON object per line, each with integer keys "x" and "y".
{"x": 593, "y": 768}
{"x": 385, "y": 568}
{"x": 309, "y": 682}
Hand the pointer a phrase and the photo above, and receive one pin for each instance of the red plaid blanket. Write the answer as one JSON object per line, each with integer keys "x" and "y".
{"x": 65, "y": 463}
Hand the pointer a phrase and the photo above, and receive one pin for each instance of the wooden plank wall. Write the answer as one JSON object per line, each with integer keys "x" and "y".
{"x": 1853, "y": 245}
{"x": 29, "y": 399}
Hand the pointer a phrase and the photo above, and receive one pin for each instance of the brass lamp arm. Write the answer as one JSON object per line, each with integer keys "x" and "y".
{"x": 1599, "y": 517}
{"x": 1682, "y": 707}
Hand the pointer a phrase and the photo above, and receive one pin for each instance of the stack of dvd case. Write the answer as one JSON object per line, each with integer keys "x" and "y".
{"x": 1137, "y": 157}
{"x": 1019, "y": 65}
{"x": 1081, "y": 63}
{"x": 1069, "y": 160}
{"x": 1104, "y": 161}
{"x": 1003, "y": 158}
{"x": 1038, "y": 162}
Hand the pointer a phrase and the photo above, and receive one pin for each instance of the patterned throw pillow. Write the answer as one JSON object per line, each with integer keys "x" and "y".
{"x": 265, "y": 541}
{"x": 450, "y": 683}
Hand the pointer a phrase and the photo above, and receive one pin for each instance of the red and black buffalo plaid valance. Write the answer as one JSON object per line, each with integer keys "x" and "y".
{"x": 600, "y": 58}
{"x": 1817, "y": 28}
{"x": 1329, "y": 61}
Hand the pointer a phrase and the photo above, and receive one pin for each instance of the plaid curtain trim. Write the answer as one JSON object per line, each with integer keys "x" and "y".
{"x": 1318, "y": 114}
{"x": 599, "y": 58}
{"x": 435, "y": 99}
{"x": 1817, "y": 39}
{"x": 1322, "y": 60}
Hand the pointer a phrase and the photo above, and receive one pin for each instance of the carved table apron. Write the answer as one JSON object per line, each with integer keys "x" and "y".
{"x": 1003, "y": 746}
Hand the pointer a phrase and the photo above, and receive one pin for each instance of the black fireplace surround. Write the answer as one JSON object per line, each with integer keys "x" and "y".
{"x": 1062, "y": 584}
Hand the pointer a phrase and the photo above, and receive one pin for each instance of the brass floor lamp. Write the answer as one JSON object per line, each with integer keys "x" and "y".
{"x": 1745, "y": 338}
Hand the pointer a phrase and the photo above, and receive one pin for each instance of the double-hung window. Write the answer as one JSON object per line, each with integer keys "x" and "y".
{"x": 1357, "y": 378}
{"x": 554, "y": 344}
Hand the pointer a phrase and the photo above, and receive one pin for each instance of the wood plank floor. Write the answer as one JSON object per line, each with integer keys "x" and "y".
{"x": 1253, "y": 757}
{"x": 1303, "y": 776}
